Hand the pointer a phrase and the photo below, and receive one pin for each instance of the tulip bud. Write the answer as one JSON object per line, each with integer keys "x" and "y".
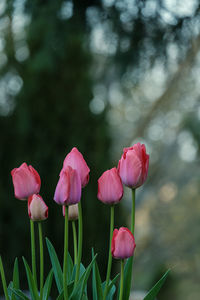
{"x": 110, "y": 188}
{"x": 133, "y": 166}
{"x": 72, "y": 212}
{"x": 75, "y": 160}
{"x": 123, "y": 243}
{"x": 37, "y": 209}
{"x": 26, "y": 181}
{"x": 68, "y": 190}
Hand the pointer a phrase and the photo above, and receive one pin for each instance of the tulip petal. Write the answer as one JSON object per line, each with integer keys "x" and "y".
{"x": 37, "y": 209}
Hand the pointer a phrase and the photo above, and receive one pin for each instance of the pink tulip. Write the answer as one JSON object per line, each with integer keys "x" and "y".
{"x": 123, "y": 243}
{"x": 133, "y": 166}
{"x": 110, "y": 188}
{"x": 75, "y": 160}
{"x": 72, "y": 212}
{"x": 37, "y": 209}
{"x": 26, "y": 181}
{"x": 68, "y": 190}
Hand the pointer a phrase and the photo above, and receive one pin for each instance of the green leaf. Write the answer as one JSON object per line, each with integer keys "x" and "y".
{"x": 47, "y": 285}
{"x": 31, "y": 282}
{"x": 15, "y": 277}
{"x": 69, "y": 268}
{"x": 127, "y": 278}
{"x": 61, "y": 296}
{"x": 20, "y": 295}
{"x": 77, "y": 294}
{"x": 56, "y": 266}
{"x": 96, "y": 281}
{"x": 111, "y": 286}
{"x": 156, "y": 288}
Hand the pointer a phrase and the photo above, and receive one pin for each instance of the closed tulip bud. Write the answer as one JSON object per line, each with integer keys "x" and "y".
{"x": 72, "y": 212}
{"x": 26, "y": 181}
{"x": 123, "y": 243}
{"x": 133, "y": 166}
{"x": 75, "y": 160}
{"x": 68, "y": 190}
{"x": 37, "y": 209}
{"x": 110, "y": 188}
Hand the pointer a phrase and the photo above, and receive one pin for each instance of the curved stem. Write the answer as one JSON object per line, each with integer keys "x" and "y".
{"x": 80, "y": 241}
{"x": 65, "y": 255}
{"x": 110, "y": 254}
{"x": 33, "y": 251}
{"x": 122, "y": 280}
{"x": 133, "y": 212}
{"x": 75, "y": 242}
{"x": 41, "y": 259}
{"x": 3, "y": 279}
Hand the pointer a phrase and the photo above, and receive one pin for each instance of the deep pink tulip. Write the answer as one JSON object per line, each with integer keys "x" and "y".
{"x": 123, "y": 243}
{"x": 37, "y": 209}
{"x": 110, "y": 188}
{"x": 72, "y": 212}
{"x": 133, "y": 166}
{"x": 26, "y": 181}
{"x": 68, "y": 190}
{"x": 75, "y": 160}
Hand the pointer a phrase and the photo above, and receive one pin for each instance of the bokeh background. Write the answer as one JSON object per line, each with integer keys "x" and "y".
{"x": 102, "y": 75}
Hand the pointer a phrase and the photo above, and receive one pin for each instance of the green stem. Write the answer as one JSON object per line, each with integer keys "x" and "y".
{"x": 65, "y": 255}
{"x": 3, "y": 279}
{"x": 133, "y": 212}
{"x": 122, "y": 280}
{"x": 80, "y": 241}
{"x": 110, "y": 254}
{"x": 41, "y": 259}
{"x": 75, "y": 241}
{"x": 33, "y": 252}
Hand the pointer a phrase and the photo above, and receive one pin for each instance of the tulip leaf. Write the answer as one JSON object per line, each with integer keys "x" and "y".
{"x": 61, "y": 296}
{"x": 156, "y": 288}
{"x": 82, "y": 270}
{"x": 69, "y": 268}
{"x": 96, "y": 281}
{"x": 56, "y": 266}
{"x": 15, "y": 277}
{"x": 78, "y": 292}
{"x": 111, "y": 286}
{"x": 19, "y": 294}
{"x": 31, "y": 282}
{"x": 47, "y": 285}
{"x": 127, "y": 278}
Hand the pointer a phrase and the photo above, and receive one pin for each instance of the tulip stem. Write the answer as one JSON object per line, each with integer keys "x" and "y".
{"x": 80, "y": 241}
{"x": 133, "y": 212}
{"x": 3, "y": 279}
{"x": 75, "y": 241}
{"x": 33, "y": 251}
{"x": 122, "y": 280}
{"x": 110, "y": 254}
{"x": 41, "y": 259}
{"x": 65, "y": 255}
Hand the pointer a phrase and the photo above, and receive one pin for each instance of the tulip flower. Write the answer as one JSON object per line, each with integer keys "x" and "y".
{"x": 123, "y": 243}
{"x": 133, "y": 166}
{"x": 37, "y": 209}
{"x": 26, "y": 181}
{"x": 68, "y": 190}
{"x": 72, "y": 212}
{"x": 75, "y": 160}
{"x": 110, "y": 188}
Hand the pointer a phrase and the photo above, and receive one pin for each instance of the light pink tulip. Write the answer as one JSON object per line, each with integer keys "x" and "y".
{"x": 75, "y": 160}
{"x": 72, "y": 212}
{"x": 68, "y": 190}
{"x": 37, "y": 209}
{"x": 123, "y": 243}
{"x": 26, "y": 181}
{"x": 110, "y": 188}
{"x": 133, "y": 166}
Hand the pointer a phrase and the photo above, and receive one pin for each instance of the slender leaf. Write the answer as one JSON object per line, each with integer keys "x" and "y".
{"x": 3, "y": 279}
{"x": 79, "y": 290}
{"x": 20, "y": 295}
{"x": 156, "y": 288}
{"x": 31, "y": 282}
{"x": 96, "y": 281}
{"x": 127, "y": 278}
{"x": 47, "y": 285}
{"x": 69, "y": 268}
{"x": 111, "y": 286}
{"x": 56, "y": 266}
{"x": 61, "y": 296}
{"x": 15, "y": 277}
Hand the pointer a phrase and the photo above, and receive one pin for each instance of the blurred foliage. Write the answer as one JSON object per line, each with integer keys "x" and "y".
{"x": 101, "y": 75}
